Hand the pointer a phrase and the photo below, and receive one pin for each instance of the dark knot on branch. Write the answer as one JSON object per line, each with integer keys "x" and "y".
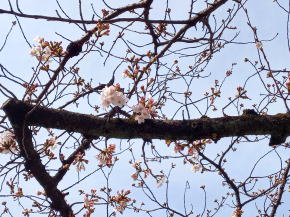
{"x": 74, "y": 48}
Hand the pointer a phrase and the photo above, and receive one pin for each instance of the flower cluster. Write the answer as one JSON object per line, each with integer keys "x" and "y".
{"x": 134, "y": 68}
{"x": 160, "y": 178}
{"x": 103, "y": 29}
{"x": 288, "y": 83}
{"x": 192, "y": 150}
{"x": 160, "y": 181}
{"x": 137, "y": 166}
{"x": 45, "y": 50}
{"x": 120, "y": 201}
{"x": 80, "y": 162}
{"x": 89, "y": 202}
{"x": 241, "y": 93}
{"x": 161, "y": 28}
{"x": 19, "y": 193}
{"x": 105, "y": 12}
{"x": 7, "y": 143}
{"x": 196, "y": 167}
{"x": 113, "y": 94}
{"x": 26, "y": 212}
{"x": 106, "y": 156}
{"x": 237, "y": 212}
{"x": 192, "y": 147}
{"x": 30, "y": 88}
{"x": 51, "y": 142}
{"x": 145, "y": 109}
{"x": 89, "y": 206}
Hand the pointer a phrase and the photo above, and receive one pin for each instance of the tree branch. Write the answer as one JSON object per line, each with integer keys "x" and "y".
{"x": 108, "y": 19}
{"x": 214, "y": 128}
{"x": 63, "y": 170}
{"x": 281, "y": 190}
{"x": 34, "y": 165}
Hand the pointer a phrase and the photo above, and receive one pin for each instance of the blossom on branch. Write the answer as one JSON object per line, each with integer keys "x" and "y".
{"x": 113, "y": 95}
{"x": 105, "y": 157}
{"x": 51, "y": 142}
{"x": 88, "y": 205}
{"x": 46, "y": 49}
{"x": 7, "y": 143}
{"x": 288, "y": 83}
{"x": 144, "y": 110}
{"x": 161, "y": 181}
{"x": 80, "y": 162}
{"x": 38, "y": 39}
{"x": 120, "y": 201}
{"x": 196, "y": 167}
{"x": 237, "y": 213}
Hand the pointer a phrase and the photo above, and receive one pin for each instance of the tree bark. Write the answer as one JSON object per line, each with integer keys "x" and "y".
{"x": 203, "y": 128}
{"x": 32, "y": 159}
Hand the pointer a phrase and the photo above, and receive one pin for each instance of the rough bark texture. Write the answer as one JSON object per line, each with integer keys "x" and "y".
{"x": 215, "y": 128}
{"x": 20, "y": 116}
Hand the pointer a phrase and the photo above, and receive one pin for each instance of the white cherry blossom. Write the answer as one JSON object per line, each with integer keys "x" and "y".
{"x": 161, "y": 181}
{"x": 196, "y": 167}
{"x": 144, "y": 109}
{"x": 110, "y": 95}
{"x": 38, "y": 39}
{"x": 35, "y": 51}
{"x": 7, "y": 143}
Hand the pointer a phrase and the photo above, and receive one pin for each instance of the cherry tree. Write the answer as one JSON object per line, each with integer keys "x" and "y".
{"x": 112, "y": 108}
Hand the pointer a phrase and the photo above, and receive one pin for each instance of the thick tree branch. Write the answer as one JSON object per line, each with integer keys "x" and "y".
{"x": 34, "y": 165}
{"x": 215, "y": 128}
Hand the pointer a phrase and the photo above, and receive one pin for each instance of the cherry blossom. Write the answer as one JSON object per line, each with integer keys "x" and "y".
{"x": 105, "y": 157}
{"x": 38, "y": 39}
{"x": 80, "y": 162}
{"x": 45, "y": 50}
{"x": 112, "y": 95}
{"x": 161, "y": 181}
{"x": 144, "y": 109}
{"x": 193, "y": 152}
{"x": 237, "y": 213}
{"x": 88, "y": 205}
{"x": 51, "y": 142}
{"x": 196, "y": 167}
{"x": 41, "y": 54}
{"x": 134, "y": 176}
{"x": 121, "y": 200}
{"x": 35, "y": 51}
{"x": 288, "y": 83}
{"x": 7, "y": 143}
{"x": 178, "y": 147}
